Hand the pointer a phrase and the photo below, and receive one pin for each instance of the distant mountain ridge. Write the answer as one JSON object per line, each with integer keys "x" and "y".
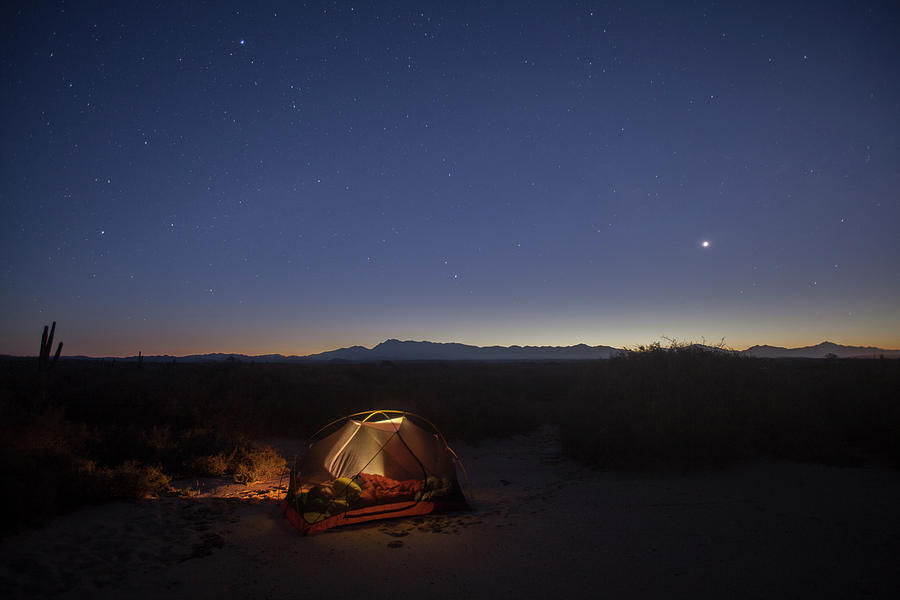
{"x": 822, "y": 350}
{"x": 408, "y": 350}
{"x": 397, "y": 350}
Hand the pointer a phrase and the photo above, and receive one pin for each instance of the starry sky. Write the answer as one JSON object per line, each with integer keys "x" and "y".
{"x": 194, "y": 177}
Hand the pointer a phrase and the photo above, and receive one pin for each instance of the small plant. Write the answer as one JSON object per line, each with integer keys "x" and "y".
{"x": 214, "y": 465}
{"x": 257, "y": 463}
{"x": 133, "y": 480}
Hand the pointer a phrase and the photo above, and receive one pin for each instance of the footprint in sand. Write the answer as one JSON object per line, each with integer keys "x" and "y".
{"x": 397, "y": 533}
{"x": 396, "y": 529}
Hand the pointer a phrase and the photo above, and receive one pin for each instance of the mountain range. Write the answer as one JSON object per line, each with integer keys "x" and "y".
{"x": 823, "y": 350}
{"x": 396, "y": 350}
{"x": 407, "y": 350}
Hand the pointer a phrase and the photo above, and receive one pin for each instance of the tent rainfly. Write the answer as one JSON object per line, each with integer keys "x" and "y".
{"x": 372, "y": 465}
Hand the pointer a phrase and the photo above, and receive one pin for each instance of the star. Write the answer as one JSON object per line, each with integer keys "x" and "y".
{"x": 705, "y": 243}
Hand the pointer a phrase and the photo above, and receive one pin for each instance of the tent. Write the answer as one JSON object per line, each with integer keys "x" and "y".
{"x": 372, "y": 465}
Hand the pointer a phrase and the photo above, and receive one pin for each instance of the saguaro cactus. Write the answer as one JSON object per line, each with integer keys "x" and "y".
{"x": 44, "y": 362}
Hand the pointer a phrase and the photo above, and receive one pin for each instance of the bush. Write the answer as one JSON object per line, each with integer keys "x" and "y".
{"x": 690, "y": 406}
{"x": 255, "y": 463}
{"x": 215, "y": 465}
{"x": 131, "y": 480}
{"x": 45, "y": 483}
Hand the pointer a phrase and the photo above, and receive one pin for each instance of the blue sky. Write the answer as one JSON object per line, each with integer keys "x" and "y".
{"x": 237, "y": 178}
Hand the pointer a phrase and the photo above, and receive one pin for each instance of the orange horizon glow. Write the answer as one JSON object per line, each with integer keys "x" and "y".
{"x": 73, "y": 349}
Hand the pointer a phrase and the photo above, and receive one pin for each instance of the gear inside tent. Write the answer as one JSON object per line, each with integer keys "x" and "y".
{"x": 372, "y": 465}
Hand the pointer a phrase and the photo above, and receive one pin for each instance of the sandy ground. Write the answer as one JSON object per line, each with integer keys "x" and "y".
{"x": 543, "y": 527}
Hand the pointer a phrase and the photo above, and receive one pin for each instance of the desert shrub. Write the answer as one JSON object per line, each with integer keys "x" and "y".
{"x": 214, "y": 465}
{"x": 256, "y": 463}
{"x": 245, "y": 463}
{"x": 688, "y": 405}
{"x": 132, "y": 480}
{"x": 41, "y": 484}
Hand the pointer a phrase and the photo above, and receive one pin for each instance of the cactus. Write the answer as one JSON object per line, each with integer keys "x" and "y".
{"x": 44, "y": 361}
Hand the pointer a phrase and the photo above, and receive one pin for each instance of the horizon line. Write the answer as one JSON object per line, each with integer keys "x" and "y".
{"x": 672, "y": 342}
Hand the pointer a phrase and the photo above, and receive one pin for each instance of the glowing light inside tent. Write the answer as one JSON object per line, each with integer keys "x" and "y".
{"x": 346, "y": 459}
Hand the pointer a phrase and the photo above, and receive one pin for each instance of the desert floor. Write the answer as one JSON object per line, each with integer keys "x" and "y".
{"x": 543, "y": 526}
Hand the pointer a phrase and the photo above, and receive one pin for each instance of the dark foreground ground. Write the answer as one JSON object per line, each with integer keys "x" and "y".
{"x": 664, "y": 472}
{"x": 544, "y": 526}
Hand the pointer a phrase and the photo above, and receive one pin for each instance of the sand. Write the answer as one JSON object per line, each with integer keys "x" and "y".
{"x": 543, "y": 527}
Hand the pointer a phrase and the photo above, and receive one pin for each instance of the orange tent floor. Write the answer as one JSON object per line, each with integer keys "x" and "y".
{"x": 369, "y": 513}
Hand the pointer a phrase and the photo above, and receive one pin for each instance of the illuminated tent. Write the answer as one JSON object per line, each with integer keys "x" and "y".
{"x": 372, "y": 465}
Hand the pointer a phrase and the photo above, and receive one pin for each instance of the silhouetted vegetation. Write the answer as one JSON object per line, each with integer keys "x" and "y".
{"x": 88, "y": 431}
{"x": 687, "y": 405}
{"x": 44, "y": 361}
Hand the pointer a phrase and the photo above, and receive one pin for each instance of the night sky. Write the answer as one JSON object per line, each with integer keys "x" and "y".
{"x": 233, "y": 177}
